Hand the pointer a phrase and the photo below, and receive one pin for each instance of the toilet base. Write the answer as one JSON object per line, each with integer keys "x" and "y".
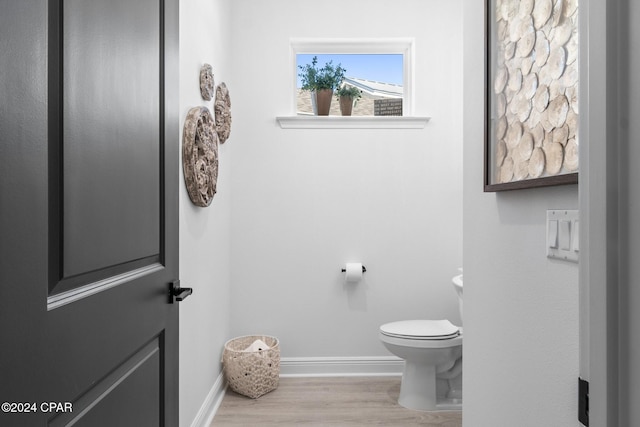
{"x": 418, "y": 389}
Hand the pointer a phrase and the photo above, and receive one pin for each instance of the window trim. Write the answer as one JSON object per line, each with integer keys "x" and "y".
{"x": 403, "y": 46}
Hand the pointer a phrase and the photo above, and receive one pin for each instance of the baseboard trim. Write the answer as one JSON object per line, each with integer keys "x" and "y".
{"x": 341, "y": 366}
{"x": 211, "y": 403}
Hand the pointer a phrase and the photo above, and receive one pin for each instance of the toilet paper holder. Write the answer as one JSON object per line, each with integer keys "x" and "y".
{"x": 364, "y": 270}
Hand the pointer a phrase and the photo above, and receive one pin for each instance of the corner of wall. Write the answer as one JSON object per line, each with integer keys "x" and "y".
{"x": 204, "y": 232}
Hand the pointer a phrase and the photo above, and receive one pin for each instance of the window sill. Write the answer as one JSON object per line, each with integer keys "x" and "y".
{"x": 352, "y": 122}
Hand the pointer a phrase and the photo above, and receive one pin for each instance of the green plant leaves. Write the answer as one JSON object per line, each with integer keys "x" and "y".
{"x": 327, "y": 77}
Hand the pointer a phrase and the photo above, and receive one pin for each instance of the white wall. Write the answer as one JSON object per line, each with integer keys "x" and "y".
{"x": 307, "y": 201}
{"x": 204, "y": 232}
{"x": 521, "y": 309}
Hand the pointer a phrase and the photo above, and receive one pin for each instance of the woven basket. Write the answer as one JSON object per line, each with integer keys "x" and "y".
{"x": 251, "y": 373}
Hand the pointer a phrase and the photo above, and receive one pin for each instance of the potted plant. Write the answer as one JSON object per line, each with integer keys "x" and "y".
{"x": 321, "y": 82}
{"x": 348, "y": 97}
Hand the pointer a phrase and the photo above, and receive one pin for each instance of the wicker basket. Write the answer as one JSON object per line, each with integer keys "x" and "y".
{"x": 251, "y": 373}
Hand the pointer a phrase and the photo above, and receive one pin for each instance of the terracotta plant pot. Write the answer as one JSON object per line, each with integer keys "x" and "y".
{"x": 323, "y": 101}
{"x": 346, "y": 105}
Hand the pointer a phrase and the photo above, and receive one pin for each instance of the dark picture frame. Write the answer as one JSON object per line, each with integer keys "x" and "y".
{"x": 531, "y": 94}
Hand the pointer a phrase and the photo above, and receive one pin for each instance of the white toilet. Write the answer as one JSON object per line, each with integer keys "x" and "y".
{"x": 432, "y": 351}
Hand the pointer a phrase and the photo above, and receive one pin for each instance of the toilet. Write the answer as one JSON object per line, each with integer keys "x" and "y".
{"x": 432, "y": 353}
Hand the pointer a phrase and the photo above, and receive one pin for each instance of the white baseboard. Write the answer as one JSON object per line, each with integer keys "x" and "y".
{"x": 340, "y": 366}
{"x": 211, "y": 403}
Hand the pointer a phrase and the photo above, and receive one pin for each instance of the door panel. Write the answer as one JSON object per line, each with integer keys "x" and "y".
{"x": 88, "y": 211}
{"x": 111, "y": 186}
{"x": 130, "y": 395}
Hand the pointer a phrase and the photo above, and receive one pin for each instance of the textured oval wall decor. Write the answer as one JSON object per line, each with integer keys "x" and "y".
{"x": 207, "y": 82}
{"x": 200, "y": 156}
{"x": 222, "y": 108}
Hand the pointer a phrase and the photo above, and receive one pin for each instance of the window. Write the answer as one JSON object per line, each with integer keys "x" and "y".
{"x": 381, "y": 68}
{"x": 378, "y": 76}
{"x": 388, "y": 59}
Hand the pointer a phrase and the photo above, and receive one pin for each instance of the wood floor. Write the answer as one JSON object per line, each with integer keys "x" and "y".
{"x": 342, "y": 401}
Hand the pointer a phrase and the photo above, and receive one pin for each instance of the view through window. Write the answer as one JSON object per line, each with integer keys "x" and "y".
{"x": 378, "y": 78}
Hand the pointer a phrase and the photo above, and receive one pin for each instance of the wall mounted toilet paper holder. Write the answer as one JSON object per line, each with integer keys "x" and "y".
{"x": 344, "y": 270}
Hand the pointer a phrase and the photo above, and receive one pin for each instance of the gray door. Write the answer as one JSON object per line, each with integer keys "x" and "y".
{"x": 88, "y": 212}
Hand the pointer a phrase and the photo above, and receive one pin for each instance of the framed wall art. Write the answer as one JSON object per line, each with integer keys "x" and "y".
{"x": 531, "y": 111}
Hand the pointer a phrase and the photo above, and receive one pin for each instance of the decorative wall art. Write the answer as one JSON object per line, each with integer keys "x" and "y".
{"x": 222, "y": 109}
{"x": 531, "y": 113}
{"x": 207, "y": 82}
{"x": 200, "y": 156}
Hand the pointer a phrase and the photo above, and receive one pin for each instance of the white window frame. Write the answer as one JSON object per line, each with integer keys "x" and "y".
{"x": 403, "y": 46}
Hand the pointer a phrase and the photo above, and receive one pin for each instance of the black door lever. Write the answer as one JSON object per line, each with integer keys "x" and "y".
{"x": 176, "y": 293}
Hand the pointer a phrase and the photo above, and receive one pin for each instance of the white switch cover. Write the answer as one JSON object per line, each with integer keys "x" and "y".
{"x": 562, "y": 235}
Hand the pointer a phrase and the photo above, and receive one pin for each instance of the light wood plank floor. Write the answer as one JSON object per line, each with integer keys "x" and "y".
{"x": 343, "y": 401}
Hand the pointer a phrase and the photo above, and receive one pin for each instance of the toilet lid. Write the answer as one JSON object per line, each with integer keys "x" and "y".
{"x": 421, "y": 329}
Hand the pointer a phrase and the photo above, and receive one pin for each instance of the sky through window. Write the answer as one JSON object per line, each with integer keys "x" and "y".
{"x": 385, "y": 68}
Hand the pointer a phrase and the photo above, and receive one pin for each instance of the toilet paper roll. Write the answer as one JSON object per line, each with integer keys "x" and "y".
{"x": 353, "y": 272}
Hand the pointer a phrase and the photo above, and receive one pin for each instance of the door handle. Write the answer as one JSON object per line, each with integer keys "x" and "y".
{"x": 176, "y": 293}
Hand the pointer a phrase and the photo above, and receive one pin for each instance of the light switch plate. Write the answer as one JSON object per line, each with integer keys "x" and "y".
{"x": 562, "y": 244}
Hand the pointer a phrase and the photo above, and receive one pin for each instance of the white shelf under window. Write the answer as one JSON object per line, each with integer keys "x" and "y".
{"x": 352, "y": 122}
